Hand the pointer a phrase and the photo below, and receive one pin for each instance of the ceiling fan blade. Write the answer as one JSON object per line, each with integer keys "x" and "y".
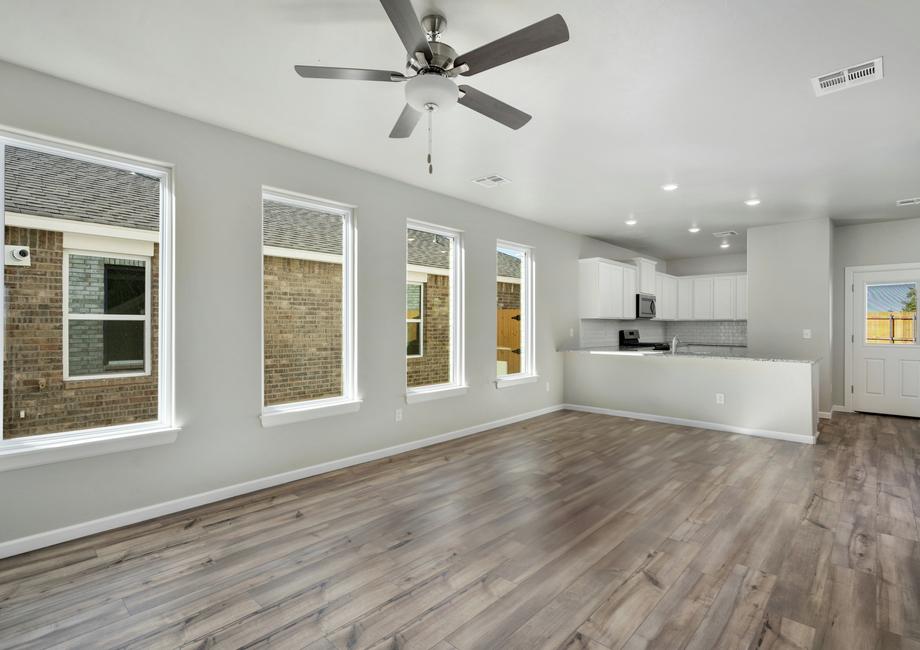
{"x": 406, "y": 23}
{"x": 353, "y": 74}
{"x": 539, "y": 36}
{"x": 493, "y": 108}
{"x": 406, "y": 123}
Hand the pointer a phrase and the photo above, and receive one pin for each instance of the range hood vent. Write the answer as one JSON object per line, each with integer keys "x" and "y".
{"x": 846, "y": 78}
{"x": 905, "y": 202}
{"x": 725, "y": 233}
{"x": 492, "y": 180}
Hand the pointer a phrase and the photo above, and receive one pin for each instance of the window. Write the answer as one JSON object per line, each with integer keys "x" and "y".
{"x": 415, "y": 323}
{"x": 87, "y": 337}
{"x": 106, "y": 323}
{"x": 307, "y": 306}
{"x": 434, "y": 311}
{"x": 891, "y": 314}
{"x": 514, "y": 313}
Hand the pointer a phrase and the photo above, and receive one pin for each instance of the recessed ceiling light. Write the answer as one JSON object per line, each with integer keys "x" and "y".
{"x": 752, "y": 202}
{"x": 693, "y": 229}
{"x": 632, "y": 221}
{"x": 724, "y": 244}
{"x": 669, "y": 187}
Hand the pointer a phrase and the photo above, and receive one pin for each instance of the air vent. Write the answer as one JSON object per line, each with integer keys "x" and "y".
{"x": 492, "y": 180}
{"x": 904, "y": 202}
{"x": 725, "y": 233}
{"x": 848, "y": 77}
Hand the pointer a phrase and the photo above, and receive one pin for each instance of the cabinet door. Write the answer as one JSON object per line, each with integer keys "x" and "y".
{"x": 669, "y": 288}
{"x": 741, "y": 297}
{"x": 610, "y": 288}
{"x": 659, "y": 297}
{"x": 647, "y": 277}
{"x": 723, "y": 297}
{"x": 702, "y": 298}
{"x": 629, "y": 293}
{"x": 685, "y": 299}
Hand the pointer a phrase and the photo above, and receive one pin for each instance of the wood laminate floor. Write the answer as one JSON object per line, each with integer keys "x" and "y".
{"x": 571, "y": 530}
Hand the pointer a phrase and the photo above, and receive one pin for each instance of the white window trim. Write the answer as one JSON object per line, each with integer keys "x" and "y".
{"x": 420, "y": 320}
{"x": 348, "y": 401}
{"x": 30, "y": 451}
{"x": 68, "y": 316}
{"x": 528, "y": 373}
{"x": 457, "y": 384}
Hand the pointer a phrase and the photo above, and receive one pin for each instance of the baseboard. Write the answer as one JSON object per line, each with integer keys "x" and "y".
{"x": 59, "y": 535}
{"x": 825, "y": 415}
{"x": 760, "y": 433}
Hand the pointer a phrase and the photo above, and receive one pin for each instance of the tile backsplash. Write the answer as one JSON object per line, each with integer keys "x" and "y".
{"x": 707, "y": 332}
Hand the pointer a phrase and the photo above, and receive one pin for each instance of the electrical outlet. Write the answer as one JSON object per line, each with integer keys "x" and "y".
{"x": 399, "y": 415}
{"x": 720, "y": 398}
{"x": 22, "y": 414}
{"x": 806, "y": 334}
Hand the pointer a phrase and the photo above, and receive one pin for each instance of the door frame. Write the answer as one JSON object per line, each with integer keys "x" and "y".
{"x": 851, "y": 325}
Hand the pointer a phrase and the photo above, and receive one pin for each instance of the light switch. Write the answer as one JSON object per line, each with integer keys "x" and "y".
{"x": 806, "y": 334}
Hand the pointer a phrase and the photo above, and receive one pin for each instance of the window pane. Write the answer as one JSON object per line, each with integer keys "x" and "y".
{"x": 413, "y": 301}
{"x": 413, "y": 341}
{"x": 303, "y": 299}
{"x": 98, "y": 347}
{"x": 429, "y": 257}
{"x": 509, "y": 264}
{"x": 891, "y": 314}
{"x": 104, "y": 285}
{"x": 37, "y": 397}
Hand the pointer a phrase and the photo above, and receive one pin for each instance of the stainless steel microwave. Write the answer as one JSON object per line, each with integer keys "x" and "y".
{"x": 645, "y": 305}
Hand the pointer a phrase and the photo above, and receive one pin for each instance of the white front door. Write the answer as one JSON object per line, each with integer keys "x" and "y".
{"x": 886, "y": 351}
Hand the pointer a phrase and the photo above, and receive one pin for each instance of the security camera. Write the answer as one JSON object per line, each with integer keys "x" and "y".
{"x": 20, "y": 253}
{"x": 17, "y": 255}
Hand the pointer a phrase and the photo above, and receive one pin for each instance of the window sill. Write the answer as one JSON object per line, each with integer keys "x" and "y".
{"x": 415, "y": 395}
{"x": 281, "y": 415}
{"x": 516, "y": 380}
{"x": 30, "y": 451}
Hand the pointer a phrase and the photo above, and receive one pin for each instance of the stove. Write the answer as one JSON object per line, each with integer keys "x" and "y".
{"x": 630, "y": 339}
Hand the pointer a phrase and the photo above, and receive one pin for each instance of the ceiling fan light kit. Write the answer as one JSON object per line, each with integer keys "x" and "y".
{"x": 432, "y": 65}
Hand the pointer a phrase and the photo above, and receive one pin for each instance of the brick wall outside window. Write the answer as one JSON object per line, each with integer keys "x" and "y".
{"x": 34, "y": 383}
{"x": 509, "y": 295}
{"x": 434, "y": 366}
{"x": 303, "y": 330}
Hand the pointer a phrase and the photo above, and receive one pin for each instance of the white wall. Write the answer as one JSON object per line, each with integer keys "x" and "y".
{"x": 888, "y": 242}
{"x": 218, "y": 286}
{"x": 731, "y": 263}
{"x": 789, "y": 288}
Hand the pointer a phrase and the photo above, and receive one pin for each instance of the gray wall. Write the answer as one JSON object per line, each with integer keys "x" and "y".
{"x": 218, "y": 286}
{"x": 733, "y": 263}
{"x": 789, "y": 287}
{"x": 888, "y": 242}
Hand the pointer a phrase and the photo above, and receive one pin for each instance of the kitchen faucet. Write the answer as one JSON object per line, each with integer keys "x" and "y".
{"x": 674, "y": 343}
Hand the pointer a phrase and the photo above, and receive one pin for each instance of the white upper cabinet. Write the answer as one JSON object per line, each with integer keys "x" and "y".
{"x": 741, "y": 297}
{"x": 646, "y": 275}
{"x": 629, "y": 292}
{"x": 723, "y": 297}
{"x": 602, "y": 288}
{"x": 702, "y": 298}
{"x": 666, "y": 297}
{"x": 684, "y": 298}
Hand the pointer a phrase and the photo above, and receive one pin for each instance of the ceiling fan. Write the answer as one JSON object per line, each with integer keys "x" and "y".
{"x": 432, "y": 66}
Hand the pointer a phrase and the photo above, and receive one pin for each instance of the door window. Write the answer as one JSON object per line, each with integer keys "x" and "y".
{"x": 891, "y": 314}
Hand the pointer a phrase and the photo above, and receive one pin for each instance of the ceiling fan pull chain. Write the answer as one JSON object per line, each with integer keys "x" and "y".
{"x": 430, "y": 167}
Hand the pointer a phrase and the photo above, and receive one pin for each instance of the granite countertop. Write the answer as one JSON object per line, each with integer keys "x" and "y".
{"x": 718, "y": 352}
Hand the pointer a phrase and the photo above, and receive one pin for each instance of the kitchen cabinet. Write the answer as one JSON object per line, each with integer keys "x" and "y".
{"x": 630, "y": 275}
{"x": 702, "y": 298}
{"x": 684, "y": 298}
{"x": 666, "y": 296}
{"x": 741, "y": 297}
{"x": 646, "y": 279}
{"x": 606, "y": 289}
{"x": 723, "y": 297}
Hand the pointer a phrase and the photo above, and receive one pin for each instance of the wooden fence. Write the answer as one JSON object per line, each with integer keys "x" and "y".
{"x": 892, "y": 327}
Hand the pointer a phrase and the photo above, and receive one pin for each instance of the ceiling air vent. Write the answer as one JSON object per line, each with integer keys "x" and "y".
{"x": 725, "y": 233}
{"x": 904, "y": 202}
{"x": 848, "y": 77}
{"x": 493, "y": 180}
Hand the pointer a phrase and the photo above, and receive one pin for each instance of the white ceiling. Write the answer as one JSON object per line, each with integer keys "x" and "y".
{"x": 711, "y": 94}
